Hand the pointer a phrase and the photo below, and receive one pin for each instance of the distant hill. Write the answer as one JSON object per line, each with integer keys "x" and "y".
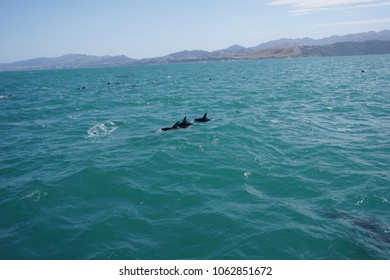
{"x": 357, "y": 37}
{"x": 337, "y": 49}
{"x": 352, "y": 44}
{"x": 347, "y": 48}
{"x": 67, "y": 61}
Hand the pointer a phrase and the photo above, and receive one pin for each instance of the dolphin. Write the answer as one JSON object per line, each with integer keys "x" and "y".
{"x": 203, "y": 119}
{"x": 372, "y": 227}
{"x": 175, "y": 126}
{"x": 184, "y": 123}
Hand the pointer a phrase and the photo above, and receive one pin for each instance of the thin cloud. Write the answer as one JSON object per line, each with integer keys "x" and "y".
{"x": 302, "y": 7}
{"x": 382, "y": 20}
{"x": 258, "y": 32}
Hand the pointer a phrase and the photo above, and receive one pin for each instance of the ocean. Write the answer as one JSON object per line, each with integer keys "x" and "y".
{"x": 295, "y": 163}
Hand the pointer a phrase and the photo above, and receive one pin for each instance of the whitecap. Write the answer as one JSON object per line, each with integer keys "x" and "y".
{"x": 73, "y": 117}
{"x": 102, "y": 129}
{"x": 35, "y": 195}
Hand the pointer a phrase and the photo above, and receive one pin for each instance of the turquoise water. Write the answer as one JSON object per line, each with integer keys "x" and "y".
{"x": 294, "y": 165}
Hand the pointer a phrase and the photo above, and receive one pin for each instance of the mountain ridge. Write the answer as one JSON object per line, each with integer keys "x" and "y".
{"x": 351, "y": 44}
{"x": 383, "y": 35}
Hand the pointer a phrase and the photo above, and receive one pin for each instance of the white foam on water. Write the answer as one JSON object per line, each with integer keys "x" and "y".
{"x": 102, "y": 129}
{"x": 35, "y": 195}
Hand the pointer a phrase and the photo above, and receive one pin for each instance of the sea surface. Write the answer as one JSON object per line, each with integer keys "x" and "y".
{"x": 295, "y": 163}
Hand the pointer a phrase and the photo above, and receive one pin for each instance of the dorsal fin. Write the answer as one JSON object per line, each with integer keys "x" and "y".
{"x": 205, "y": 115}
{"x": 185, "y": 119}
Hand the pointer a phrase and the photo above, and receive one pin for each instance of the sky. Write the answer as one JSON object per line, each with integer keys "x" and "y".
{"x": 151, "y": 28}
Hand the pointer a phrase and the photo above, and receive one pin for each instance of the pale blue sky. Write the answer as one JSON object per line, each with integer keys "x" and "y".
{"x": 148, "y": 28}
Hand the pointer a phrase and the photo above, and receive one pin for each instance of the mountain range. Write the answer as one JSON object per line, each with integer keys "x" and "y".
{"x": 353, "y": 44}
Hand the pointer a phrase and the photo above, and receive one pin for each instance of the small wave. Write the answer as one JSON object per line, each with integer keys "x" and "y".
{"x": 102, "y": 129}
{"x": 73, "y": 117}
{"x": 3, "y": 97}
{"x": 254, "y": 192}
